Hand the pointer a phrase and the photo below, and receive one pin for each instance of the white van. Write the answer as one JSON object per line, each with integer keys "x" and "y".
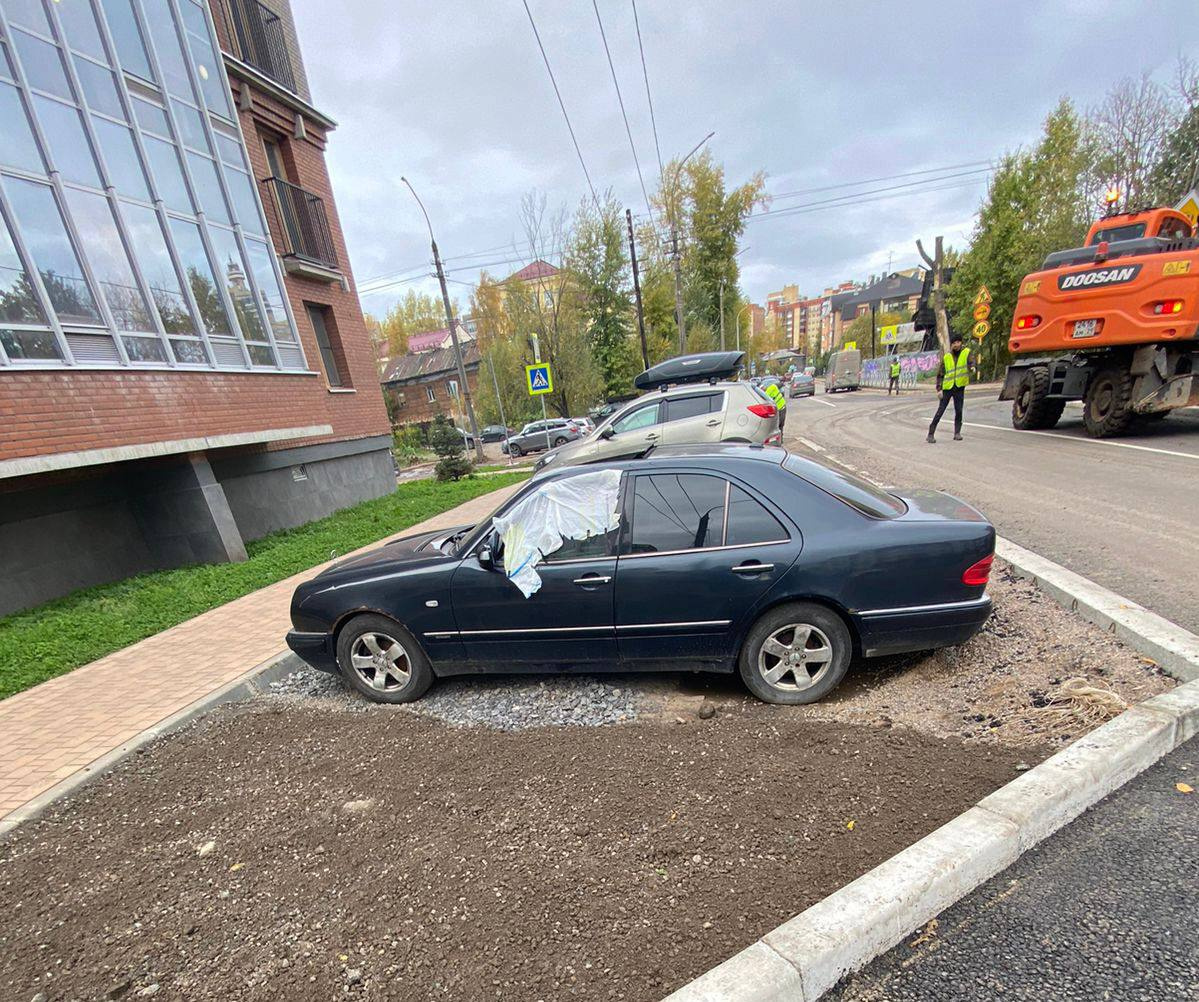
{"x": 844, "y": 371}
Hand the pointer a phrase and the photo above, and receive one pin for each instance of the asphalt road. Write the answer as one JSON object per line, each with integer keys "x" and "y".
{"x": 1122, "y": 511}
{"x": 1105, "y": 909}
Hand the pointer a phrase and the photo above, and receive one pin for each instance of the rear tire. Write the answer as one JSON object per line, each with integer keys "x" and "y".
{"x": 559, "y": 440}
{"x": 1107, "y": 406}
{"x": 796, "y": 653}
{"x": 1031, "y": 411}
{"x": 382, "y": 660}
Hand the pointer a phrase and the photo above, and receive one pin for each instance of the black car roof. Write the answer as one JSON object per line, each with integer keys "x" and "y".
{"x": 712, "y": 455}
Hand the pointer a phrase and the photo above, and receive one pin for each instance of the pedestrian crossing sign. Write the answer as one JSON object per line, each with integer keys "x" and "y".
{"x": 539, "y": 378}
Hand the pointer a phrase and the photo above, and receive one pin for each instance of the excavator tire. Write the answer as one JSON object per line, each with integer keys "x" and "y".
{"x": 1031, "y": 411}
{"x": 1107, "y": 407}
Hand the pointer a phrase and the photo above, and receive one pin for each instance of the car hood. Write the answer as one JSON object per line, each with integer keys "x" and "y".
{"x": 407, "y": 551}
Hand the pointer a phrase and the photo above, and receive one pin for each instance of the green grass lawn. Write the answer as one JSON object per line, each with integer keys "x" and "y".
{"x": 71, "y": 631}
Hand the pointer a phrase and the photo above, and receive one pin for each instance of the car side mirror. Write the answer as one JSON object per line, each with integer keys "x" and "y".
{"x": 607, "y": 432}
{"x": 485, "y": 557}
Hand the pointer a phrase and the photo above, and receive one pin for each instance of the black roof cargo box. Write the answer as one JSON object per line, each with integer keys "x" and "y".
{"x": 707, "y": 366}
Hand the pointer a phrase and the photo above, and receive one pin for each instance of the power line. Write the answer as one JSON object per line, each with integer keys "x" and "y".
{"x": 821, "y": 206}
{"x": 561, "y": 103}
{"x": 620, "y": 99}
{"x": 416, "y": 278}
{"x": 649, "y": 100}
{"x": 876, "y": 180}
{"x": 857, "y": 196}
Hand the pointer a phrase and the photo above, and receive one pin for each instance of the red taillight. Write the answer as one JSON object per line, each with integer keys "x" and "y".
{"x": 1166, "y": 307}
{"x": 1027, "y": 322}
{"x": 761, "y": 410}
{"x": 978, "y": 574}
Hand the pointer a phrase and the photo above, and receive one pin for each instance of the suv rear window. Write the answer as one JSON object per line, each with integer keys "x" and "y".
{"x": 854, "y": 491}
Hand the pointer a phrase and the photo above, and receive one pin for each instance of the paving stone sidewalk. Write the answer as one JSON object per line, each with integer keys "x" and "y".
{"x": 55, "y": 729}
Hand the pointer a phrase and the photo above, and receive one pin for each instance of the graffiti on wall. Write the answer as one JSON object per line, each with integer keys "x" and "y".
{"x": 913, "y": 367}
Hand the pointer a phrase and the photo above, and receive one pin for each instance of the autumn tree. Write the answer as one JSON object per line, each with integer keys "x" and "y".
{"x": 416, "y": 313}
{"x": 597, "y": 263}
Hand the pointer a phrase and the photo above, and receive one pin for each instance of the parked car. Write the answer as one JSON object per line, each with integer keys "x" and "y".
{"x": 699, "y": 569}
{"x": 495, "y": 433}
{"x": 585, "y": 425}
{"x": 801, "y": 385}
{"x": 844, "y": 371}
{"x": 690, "y": 413}
{"x": 539, "y": 435}
{"x": 468, "y": 440}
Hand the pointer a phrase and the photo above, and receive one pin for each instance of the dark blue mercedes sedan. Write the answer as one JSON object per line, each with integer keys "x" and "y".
{"x": 714, "y": 558}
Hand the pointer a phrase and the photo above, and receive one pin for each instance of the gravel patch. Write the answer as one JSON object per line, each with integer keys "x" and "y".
{"x": 503, "y": 703}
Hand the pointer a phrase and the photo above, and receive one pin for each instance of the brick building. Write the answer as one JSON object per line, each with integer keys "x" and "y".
{"x": 183, "y": 360}
{"x": 421, "y": 385}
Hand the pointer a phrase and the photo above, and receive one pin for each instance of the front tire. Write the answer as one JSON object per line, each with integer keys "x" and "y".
{"x": 382, "y": 660}
{"x": 1031, "y": 411}
{"x": 514, "y": 450}
{"x": 1107, "y": 406}
{"x": 796, "y": 653}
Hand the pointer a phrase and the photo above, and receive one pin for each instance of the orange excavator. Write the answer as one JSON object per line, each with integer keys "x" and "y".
{"x": 1119, "y": 318}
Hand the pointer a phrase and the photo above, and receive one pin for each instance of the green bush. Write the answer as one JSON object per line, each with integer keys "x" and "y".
{"x": 445, "y": 440}
{"x": 406, "y": 444}
{"x": 51, "y": 639}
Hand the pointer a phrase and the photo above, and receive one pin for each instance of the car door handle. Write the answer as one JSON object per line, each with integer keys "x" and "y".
{"x": 713, "y": 423}
{"x": 752, "y": 568}
{"x": 592, "y": 579}
{"x": 652, "y": 436}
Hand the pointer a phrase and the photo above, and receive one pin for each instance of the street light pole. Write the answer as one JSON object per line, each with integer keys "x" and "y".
{"x": 449, "y": 319}
{"x": 674, "y": 239}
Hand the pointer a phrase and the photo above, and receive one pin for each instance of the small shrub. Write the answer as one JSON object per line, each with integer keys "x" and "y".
{"x": 406, "y": 444}
{"x": 447, "y": 442}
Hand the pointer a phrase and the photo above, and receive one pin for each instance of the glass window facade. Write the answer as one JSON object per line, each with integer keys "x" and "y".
{"x": 147, "y": 231}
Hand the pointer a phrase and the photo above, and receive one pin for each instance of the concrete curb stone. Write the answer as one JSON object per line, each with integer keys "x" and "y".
{"x": 865, "y": 918}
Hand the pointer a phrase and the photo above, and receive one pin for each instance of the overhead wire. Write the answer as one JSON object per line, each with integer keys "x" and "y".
{"x": 876, "y": 180}
{"x": 648, "y": 97}
{"x": 561, "y": 104}
{"x": 620, "y": 100}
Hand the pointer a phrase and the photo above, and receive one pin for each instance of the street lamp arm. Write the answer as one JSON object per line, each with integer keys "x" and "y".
{"x": 432, "y": 238}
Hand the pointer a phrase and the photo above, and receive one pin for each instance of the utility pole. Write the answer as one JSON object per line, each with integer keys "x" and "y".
{"x": 449, "y": 319}
{"x": 628, "y": 215}
{"x": 722, "y": 314}
{"x": 873, "y": 328}
{"x": 678, "y": 289}
{"x": 499, "y": 403}
{"x": 674, "y": 239}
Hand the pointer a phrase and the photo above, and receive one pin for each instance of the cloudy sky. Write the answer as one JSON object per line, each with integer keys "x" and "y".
{"x": 454, "y": 95}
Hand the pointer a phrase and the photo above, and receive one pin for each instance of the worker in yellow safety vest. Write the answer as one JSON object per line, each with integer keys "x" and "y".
{"x": 953, "y": 376}
{"x": 771, "y": 388}
{"x": 894, "y": 383}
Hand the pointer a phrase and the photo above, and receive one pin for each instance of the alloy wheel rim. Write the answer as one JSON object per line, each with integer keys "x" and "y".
{"x": 381, "y": 662}
{"x": 795, "y": 657}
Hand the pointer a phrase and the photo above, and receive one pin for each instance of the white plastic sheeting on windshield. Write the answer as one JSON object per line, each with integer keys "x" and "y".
{"x": 574, "y": 508}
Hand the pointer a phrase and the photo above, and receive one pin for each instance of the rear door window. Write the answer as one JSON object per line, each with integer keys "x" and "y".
{"x": 681, "y": 408}
{"x": 673, "y": 511}
{"x": 750, "y": 522}
{"x": 854, "y": 491}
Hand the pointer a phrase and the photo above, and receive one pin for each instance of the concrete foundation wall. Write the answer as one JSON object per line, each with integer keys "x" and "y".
{"x": 130, "y": 518}
{"x": 265, "y": 495}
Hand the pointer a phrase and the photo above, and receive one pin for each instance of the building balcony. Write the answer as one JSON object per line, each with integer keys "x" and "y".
{"x": 261, "y": 40}
{"x": 308, "y": 242}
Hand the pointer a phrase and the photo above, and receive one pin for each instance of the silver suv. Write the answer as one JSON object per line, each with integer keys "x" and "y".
{"x": 538, "y": 435}
{"x": 691, "y": 414}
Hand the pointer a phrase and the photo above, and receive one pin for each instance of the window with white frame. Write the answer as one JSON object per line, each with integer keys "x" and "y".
{"x": 131, "y": 231}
